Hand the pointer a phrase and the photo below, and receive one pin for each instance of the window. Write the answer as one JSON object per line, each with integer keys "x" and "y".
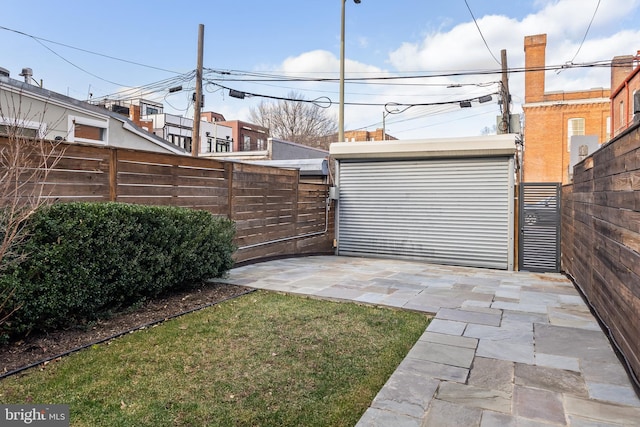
{"x": 22, "y": 128}
{"x": 246, "y": 146}
{"x": 575, "y": 127}
{"x": 261, "y": 144}
{"x": 622, "y": 119}
{"x": 608, "y": 136}
{"x": 19, "y": 132}
{"x": 222, "y": 146}
{"x": 209, "y": 144}
{"x": 88, "y": 132}
{"x": 82, "y": 129}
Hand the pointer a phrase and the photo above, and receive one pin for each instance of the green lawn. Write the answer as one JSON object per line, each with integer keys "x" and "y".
{"x": 264, "y": 359}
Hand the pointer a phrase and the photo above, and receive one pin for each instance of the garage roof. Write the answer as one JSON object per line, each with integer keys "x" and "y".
{"x": 475, "y": 146}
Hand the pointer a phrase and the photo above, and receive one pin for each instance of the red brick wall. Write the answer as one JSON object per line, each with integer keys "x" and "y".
{"x": 546, "y": 156}
{"x": 365, "y": 135}
{"x": 624, "y": 96}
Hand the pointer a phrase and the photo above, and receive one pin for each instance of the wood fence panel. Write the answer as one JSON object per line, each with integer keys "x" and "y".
{"x": 601, "y": 238}
{"x": 275, "y": 214}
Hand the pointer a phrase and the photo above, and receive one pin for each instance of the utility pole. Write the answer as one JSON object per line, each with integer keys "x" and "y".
{"x": 341, "y": 104}
{"x": 505, "y": 123}
{"x": 195, "y": 139}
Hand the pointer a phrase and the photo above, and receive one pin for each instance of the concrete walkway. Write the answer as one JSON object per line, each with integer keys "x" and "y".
{"x": 504, "y": 348}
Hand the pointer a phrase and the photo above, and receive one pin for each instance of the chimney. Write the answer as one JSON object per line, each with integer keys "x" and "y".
{"x": 534, "y": 59}
{"x": 621, "y": 67}
{"x": 135, "y": 114}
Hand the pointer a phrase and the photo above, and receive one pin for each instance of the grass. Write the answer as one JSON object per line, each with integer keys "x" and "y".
{"x": 264, "y": 359}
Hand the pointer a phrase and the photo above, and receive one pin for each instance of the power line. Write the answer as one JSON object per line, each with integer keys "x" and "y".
{"x": 76, "y": 66}
{"x": 594, "y": 64}
{"x": 40, "y": 39}
{"x": 586, "y": 32}
{"x": 480, "y": 31}
{"x": 326, "y": 102}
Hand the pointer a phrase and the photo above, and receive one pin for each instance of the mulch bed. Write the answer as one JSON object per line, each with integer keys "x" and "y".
{"x": 38, "y": 348}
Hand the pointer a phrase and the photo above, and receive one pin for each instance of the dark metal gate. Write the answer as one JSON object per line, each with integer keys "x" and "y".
{"x": 539, "y": 242}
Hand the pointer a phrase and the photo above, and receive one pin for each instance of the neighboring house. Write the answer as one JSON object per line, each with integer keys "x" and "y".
{"x": 365, "y": 135}
{"x": 552, "y": 119}
{"x": 312, "y": 162}
{"x": 134, "y": 109}
{"x": 625, "y": 95}
{"x": 247, "y": 136}
{"x": 52, "y": 115}
{"x": 178, "y": 130}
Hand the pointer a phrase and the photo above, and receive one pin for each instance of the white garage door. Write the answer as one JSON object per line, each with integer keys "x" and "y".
{"x": 457, "y": 211}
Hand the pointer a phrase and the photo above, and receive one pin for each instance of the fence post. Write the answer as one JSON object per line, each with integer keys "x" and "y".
{"x": 113, "y": 175}
{"x": 228, "y": 170}
{"x": 296, "y": 202}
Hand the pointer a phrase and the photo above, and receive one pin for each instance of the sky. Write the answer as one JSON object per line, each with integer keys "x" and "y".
{"x": 419, "y": 52}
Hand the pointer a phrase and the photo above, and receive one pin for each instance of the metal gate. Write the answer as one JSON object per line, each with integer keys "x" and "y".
{"x": 539, "y": 242}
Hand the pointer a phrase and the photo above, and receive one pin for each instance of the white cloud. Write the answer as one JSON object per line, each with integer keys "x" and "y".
{"x": 461, "y": 48}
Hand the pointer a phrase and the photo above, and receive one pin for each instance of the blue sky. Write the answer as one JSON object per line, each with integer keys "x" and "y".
{"x": 302, "y": 39}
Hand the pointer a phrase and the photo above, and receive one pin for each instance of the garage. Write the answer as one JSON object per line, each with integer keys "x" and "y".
{"x": 446, "y": 201}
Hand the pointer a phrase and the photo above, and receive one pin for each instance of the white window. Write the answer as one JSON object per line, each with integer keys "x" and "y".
{"x": 608, "y": 136}
{"x": 575, "y": 127}
{"x": 93, "y": 131}
{"x": 246, "y": 146}
{"x": 260, "y": 144}
{"x": 22, "y": 128}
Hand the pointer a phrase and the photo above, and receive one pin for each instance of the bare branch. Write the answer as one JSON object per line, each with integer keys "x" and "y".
{"x": 27, "y": 158}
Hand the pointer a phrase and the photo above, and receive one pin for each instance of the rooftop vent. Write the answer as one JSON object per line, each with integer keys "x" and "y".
{"x": 4, "y": 72}
{"x": 27, "y": 73}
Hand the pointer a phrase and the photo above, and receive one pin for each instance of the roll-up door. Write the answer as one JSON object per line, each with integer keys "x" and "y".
{"x": 449, "y": 211}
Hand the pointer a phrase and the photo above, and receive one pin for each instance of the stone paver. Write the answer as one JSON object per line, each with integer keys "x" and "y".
{"x": 452, "y": 340}
{"x": 447, "y": 414}
{"x": 536, "y": 404}
{"x": 503, "y": 349}
{"x": 557, "y": 380}
{"x": 477, "y": 397}
{"x": 407, "y": 393}
{"x": 442, "y": 353}
{"x": 492, "y": 374}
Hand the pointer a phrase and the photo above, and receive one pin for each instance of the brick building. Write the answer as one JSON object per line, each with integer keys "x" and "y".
{"x": 625, "y": 95}
{"x": 553, "y": 118}
{"x": 365, "y": 135}
{"x": 247, "y": 136}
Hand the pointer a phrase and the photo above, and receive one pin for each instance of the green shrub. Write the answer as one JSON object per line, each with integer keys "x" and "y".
{"x": 88, "y": 260}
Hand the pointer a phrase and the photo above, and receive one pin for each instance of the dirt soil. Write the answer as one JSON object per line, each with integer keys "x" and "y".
{"x": 38, "y": 348}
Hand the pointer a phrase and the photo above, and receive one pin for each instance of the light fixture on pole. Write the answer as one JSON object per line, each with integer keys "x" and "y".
{"x": 341, "y": 107}
{"x": 385, "y": 113}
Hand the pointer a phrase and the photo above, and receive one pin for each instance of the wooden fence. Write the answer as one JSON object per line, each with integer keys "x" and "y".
{"x": 601, "y": 238}
{"x": 274, "y": 213}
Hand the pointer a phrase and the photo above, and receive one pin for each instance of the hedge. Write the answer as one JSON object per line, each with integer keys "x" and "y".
{"x": 88, "y": 260}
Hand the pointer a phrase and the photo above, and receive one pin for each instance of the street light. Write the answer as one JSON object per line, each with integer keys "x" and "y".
{"x": 384, "y": 117}
{"x": 341, "y": 110}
